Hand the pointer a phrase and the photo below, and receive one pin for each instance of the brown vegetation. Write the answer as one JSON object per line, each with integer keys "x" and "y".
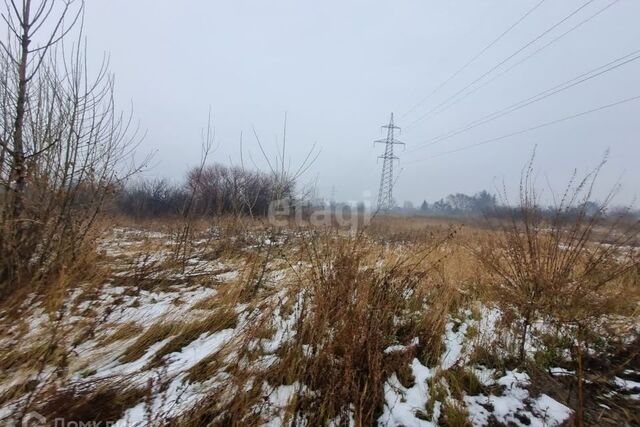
{"x": 326, "y": 316}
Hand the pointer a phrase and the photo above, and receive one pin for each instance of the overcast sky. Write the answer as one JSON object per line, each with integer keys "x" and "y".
{"x": 339, "y": 68}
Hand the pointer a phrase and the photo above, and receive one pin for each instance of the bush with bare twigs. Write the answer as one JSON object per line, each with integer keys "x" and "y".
{"x": 565, "y": 266}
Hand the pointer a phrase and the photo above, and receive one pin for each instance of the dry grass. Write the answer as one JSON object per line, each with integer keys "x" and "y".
{"x": 454, "y": 414}
{"x": 313, "y": 310}
{"x": 124, "y": 332}
{"x": 189, "y": 332}
{"x": 341, "y": 306}
{"x": 343, "y": 313}
{"x": 105, "y": 403}
{"x": 182, "y": 333}
{"x": 153, "y": 334}
{"x": 18, "y": 358}
{"x": 333, "y": 303}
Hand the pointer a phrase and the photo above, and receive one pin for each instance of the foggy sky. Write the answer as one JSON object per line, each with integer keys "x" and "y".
{"x": 339, "y": 68}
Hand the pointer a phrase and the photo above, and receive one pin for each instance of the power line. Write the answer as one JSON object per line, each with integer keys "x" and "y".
{"x": 538, "y": 37}
{"x": 526, "y": 58}
{"x": 385, "y": 193}
{"x": 472, "y": 60}
{"x": 553, "y": 122}
{"x": 603, "y": 69}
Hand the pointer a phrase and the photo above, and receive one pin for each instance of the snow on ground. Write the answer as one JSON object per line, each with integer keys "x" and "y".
{"x": 278, "y": 400}
{"x": 172, "y": 393}
{"x": 403, "y": 406}
{"x": 454, "y": 340}
{"x": 118, "y": 305}
{"x": 631, "y": 388}
{"x": 179, "y": 395}
{"x": 515, "y": 406}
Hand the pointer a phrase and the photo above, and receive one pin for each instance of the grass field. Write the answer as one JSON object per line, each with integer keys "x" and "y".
{"x": 403, "y": 323}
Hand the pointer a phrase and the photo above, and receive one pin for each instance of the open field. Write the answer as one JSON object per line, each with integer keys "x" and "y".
{"x": 284, "y": 261}
{"x": 245, "y": 324}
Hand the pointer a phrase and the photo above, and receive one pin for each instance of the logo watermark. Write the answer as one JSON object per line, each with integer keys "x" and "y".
{"x": 34, "y": 419}
{"x": 352, "y": 214}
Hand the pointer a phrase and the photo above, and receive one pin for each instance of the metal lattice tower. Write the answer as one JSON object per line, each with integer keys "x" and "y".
{"x": 385, "y": 194}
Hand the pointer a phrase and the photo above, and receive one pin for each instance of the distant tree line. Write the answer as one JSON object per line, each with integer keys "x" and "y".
{"x": 488, "y": 204}
{"x": 222, "y": 190}
{"x": 456, "y": 204}
{"x": 212, "y": 190}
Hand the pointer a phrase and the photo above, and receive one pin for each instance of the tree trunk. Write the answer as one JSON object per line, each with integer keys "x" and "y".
{"x": 19, "y": 169}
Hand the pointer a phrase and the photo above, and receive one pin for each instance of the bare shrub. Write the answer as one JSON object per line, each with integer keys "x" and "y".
{"x": 564, "y": 265}
{"x": 222, "y": 190}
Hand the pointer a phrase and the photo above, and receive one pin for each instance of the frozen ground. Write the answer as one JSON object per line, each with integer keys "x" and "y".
{"x": 505, "y": 398}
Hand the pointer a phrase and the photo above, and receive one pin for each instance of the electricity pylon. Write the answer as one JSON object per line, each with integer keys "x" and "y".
{"x": 385, "y": 194}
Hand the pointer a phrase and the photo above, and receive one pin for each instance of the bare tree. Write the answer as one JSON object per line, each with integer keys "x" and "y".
{"x": 64, "y": 147}
{"x": 284, "y": 175}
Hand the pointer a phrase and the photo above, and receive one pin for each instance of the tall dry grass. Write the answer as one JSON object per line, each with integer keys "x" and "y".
{"x": 352, "y": 300}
